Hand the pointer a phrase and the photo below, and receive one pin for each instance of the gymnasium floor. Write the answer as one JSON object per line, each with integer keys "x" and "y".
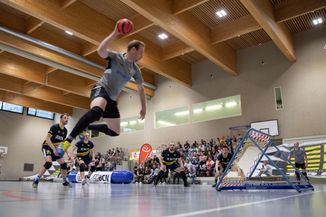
{"x": 52, "y": 199}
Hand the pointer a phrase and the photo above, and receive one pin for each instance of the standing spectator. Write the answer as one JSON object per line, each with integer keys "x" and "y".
{"x": 300, "y": 160}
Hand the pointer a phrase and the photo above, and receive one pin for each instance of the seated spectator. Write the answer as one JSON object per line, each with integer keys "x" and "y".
{"x": 210, "y": 164}
{"x": 265, "y": 169}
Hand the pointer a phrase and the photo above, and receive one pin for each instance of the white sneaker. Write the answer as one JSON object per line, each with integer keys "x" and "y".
{"x": 83, "y": 182}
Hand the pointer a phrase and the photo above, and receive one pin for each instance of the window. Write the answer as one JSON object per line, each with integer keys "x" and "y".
{"x": 132, "y": 124}
{"x": 172, "y": 117}
{"x": 278, "y": 98}
{"x": 12, "y": 107}
{"x": 40, "y": 113}
{"x": 217, "y": 109}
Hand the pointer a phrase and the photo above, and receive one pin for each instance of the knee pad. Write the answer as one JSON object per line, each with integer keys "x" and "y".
{"x": 94, "y": 114}
{"x": 93, "y": 168}
{"x": 47, "y": 165}
{"x": 63, "y": 166}
{"x": 82, "y": 167}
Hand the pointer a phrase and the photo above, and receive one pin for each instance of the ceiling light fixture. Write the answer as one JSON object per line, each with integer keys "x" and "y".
{"x": 68, "y": 32}
{"x": 221, "y": 13}
{"x": 163, "y": 36}
{"x": 317, "y": 21}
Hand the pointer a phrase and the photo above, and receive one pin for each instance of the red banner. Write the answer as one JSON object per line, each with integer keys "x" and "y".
{"x": 145, "y": 151}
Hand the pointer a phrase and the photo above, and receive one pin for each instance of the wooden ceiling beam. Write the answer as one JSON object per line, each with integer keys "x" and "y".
{"x": 34, "y": 103}
{"x": 66, "y": 3}
{"x": 53, "y": 56}
{"x": 175, "y": 50}
{"x": 42, "y": 92}
{"x": 31, "y": 71}
{"x": 179, "y": 6}
{"x": 88, "y": 49}
{"x": 22, "y": 68}
{"x": 71, "y": 19}
{"x": 189, "y": 30}
{"x": 29, "y": 87}
{"x": 262, "y": 11}
{"x": 48, "y": 54}
{"x": 140, "y": 24}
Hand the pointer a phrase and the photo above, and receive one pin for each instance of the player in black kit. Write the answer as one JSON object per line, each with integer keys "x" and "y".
{"x": 222, "y": 161}
{"x": 170, "y": 159}
{"x": 56, "y": 136}
{"x": 85, "y": 157}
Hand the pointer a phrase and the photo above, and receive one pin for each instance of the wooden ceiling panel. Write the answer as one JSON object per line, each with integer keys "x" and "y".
{"x": 60, "y": 33}
{"x": 279, "y": 3}
{"x": 10, "y": 19}
{"x": 193, "y": 57}
{"x": 97, "y": 59}
{"x": 152, "y": 35}
{"x": 58, "y": 38}
{"x": 207, "y": 11}
{"x": 304, "y": 22}
{"x": 249, "y": 40}
{"x": 113, "y": 9}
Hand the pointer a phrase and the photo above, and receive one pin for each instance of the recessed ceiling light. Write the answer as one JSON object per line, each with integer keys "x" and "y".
{"x": 163, "y": 36}
{"x": 317, "y": 21}
{"x": 221, "y": 13}
{"x": 68, "y": 32}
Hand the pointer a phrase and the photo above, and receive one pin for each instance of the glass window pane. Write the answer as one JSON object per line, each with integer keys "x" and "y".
{"x": 278, "y": 98}
{"x": 217, "y": 109}
{"x": 172, "y": 117}
{"x": 31, "y": 111}
{"x": 0, "y": 105}
{"x": 132, "y": 124}
{"x": 12, "y": 108}
{"x": 44, "y": 114}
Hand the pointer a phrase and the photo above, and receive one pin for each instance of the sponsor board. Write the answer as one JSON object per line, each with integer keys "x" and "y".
{"x": 102, "y": 177}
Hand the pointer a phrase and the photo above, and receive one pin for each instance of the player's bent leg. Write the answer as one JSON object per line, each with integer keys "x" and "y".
{"x": 64, "y": 168}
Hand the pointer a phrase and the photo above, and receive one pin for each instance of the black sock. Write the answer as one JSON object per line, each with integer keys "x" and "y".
{"x": 102, "y": 128}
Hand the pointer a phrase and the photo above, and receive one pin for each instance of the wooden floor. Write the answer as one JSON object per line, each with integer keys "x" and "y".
{"x": 52, "y": 199}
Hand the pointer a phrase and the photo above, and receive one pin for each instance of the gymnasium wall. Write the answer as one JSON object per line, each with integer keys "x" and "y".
{"x": 302, "y": 82}
{"x": 24, "y": 135}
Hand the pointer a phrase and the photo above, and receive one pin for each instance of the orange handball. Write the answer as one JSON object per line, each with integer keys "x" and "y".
{"x": 125, "y": 26}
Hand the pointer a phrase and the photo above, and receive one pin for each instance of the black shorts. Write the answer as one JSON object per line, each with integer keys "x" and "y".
{"x": 172, "y": 167}
{"x": 87, "y": 159}
{"x": 298, "y": 166}
{"x": 111, "y": 109}
{"x": 47, "y": 151}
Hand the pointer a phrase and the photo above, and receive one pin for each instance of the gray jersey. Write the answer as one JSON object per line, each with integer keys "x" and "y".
{"x": 298, "y": 155}
{"x": 118, "y": 73}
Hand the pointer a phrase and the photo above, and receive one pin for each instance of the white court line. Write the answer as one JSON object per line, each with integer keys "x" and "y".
{"x": 240, "y": 205}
